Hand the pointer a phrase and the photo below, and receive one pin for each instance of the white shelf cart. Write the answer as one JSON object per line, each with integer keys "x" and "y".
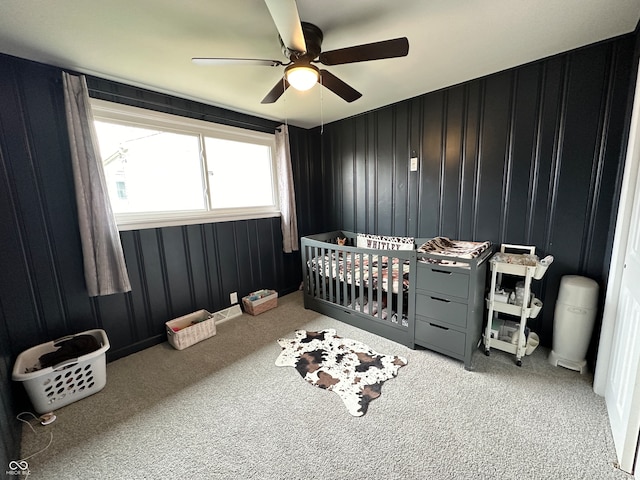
{"x": 526, "y": 265}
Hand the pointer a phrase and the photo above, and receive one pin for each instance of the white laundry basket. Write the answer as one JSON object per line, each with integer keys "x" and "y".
{"x": 54, "y": 387}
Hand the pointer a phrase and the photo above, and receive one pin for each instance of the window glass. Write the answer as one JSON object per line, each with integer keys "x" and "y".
{"x": 239, "y": 173}
{"x": 159, "y": 171}
{"x": 163, "y": 169}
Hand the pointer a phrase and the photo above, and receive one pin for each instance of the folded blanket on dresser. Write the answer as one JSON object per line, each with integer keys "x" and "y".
{"x": 452, "y": 248}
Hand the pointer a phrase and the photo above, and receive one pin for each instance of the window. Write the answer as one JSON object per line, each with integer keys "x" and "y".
{"x": 165, "y": 170}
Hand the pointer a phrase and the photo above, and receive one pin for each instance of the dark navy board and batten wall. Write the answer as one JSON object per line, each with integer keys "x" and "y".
{"x": 530, "y": 155}
{"x": 174, "y": 270}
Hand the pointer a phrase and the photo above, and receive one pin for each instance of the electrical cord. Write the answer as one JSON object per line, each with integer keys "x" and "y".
{"x": 43, "y": 418}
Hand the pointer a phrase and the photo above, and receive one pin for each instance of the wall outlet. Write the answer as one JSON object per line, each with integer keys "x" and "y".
{"x": 233, "y": 298}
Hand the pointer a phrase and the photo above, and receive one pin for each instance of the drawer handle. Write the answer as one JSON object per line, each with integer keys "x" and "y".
{"x": 441, "y": 271}
{"x": 441, "y": 299}
{"x": 438, "y": 326}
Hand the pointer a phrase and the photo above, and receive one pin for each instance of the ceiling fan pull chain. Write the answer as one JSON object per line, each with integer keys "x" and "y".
{"x": 321, "y": 107}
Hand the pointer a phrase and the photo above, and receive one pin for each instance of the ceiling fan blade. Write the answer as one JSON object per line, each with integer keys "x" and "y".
{"x": 236, "y": 61}
{"x": 337, "y": 86}
{"x": 285, "y": 16}
{"x": 276, "y": 92}
{"x": 397, "y": 47}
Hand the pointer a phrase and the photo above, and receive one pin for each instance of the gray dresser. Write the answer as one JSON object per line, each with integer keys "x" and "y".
{"x": 449, "y": 308}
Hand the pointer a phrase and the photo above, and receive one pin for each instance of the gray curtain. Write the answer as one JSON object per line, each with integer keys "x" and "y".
{"x": 289, "y": 222}
{"x": 105, "y": 271}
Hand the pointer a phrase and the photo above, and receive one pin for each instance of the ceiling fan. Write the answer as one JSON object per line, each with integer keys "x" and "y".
{"x": 301, "y": 43}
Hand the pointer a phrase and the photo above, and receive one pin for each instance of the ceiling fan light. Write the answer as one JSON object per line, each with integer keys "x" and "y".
{"x": 302, "y": 77}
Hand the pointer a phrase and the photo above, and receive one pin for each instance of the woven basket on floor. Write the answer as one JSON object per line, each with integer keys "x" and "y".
{"x": 184, "y": 331}
{"x": 260, "y": 305}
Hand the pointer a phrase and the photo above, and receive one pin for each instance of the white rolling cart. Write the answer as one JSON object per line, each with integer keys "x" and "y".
{"x": 508, "y": 336}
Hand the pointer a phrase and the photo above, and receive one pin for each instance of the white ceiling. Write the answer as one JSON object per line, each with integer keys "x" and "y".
{"x": 150, "y": 43}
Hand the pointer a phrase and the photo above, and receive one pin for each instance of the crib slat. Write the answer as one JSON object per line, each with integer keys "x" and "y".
{"x": 347, "y": 265}
{"x": 384, "y": 295}
{"x": 341, "y": 280}
{"x": 325, "y": 284}
{"x": 339, "y": 272}
{"x": 332, "y": 275}
{"x": 357, "y": 299}
{"x": 348, "y": 278}
{"x": 316, "y": 292}
{"x": 400, "y": 296}
{"x": 379, "y": 290}
{"x": 366, "y": 281}
{"x": 306, "y": 273}
{"x": 322, "y": 274}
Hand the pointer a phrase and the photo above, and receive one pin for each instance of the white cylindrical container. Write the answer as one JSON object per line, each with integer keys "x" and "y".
{"x": 573, "y": 321}
{"x": 536, "y": 306}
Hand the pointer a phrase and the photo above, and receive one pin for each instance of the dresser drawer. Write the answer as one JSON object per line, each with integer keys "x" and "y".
{"x": 440, "y": 308}
{"x": 445, "y": 340}
{"x": 442, "y": 281}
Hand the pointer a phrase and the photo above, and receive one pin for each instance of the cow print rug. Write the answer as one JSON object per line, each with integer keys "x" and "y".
{"x": 347, "y": 367}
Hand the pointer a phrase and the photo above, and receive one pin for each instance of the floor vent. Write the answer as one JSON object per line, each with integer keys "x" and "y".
{"x": 227, "y": 313}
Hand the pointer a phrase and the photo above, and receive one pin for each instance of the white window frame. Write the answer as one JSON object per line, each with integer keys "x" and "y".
{"x": 134, "y": 116}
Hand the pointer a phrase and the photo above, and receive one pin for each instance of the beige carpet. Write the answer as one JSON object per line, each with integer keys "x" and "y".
{"x": 221, "y": 409}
